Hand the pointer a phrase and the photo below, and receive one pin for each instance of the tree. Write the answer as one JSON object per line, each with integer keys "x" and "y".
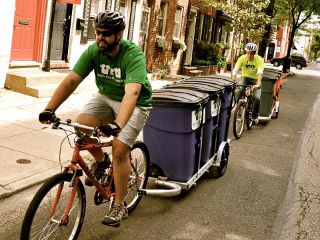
{"x": 248, "y": 18}
{"x": 297, "y": 12}
{"x": 315, "y": 46}
{"x": 269, "y": 11}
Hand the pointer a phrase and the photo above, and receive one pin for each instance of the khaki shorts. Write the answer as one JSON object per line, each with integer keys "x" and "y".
{"x": 107, "y": 109}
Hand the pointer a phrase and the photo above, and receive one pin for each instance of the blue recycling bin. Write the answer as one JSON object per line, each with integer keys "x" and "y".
{"x": 173, "y": 132}
{"x": 226, "y": 104}
{"x": 211, "y": 116}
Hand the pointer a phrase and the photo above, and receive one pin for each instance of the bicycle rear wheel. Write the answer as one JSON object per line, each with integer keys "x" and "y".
{"x": 138, "y": 178}
{"x": 239, "y": 120}
{"x": 38, "y": 225}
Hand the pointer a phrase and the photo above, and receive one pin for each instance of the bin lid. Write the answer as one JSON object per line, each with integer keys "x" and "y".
{"x": 276, "y": 71}
{"x": 206, "y": 82}
{"x": 225, "y": 83}
{"x": 178, "y": 97}
{"x": 273, "y": 73}
{"x": 218, "y": 79}
{"x": 270, "y": 77}
{"x": 201, "y": 87}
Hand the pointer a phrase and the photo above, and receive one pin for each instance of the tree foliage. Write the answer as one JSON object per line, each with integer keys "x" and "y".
{"x": 296, "y": 13}
{"x": 247, "y": 17}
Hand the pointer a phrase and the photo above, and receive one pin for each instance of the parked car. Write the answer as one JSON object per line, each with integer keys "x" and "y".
{"x": 296, "y": 61}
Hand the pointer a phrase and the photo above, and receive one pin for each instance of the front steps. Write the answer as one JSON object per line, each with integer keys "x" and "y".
{"x": 33, "y": 81}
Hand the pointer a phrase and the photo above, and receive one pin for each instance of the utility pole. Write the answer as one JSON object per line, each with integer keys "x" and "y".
{"x": 46, "y": 63}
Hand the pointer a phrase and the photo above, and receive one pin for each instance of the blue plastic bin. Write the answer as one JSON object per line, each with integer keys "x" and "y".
{"x": 211, "y": 115}
{"x": 226, "y": 104}
{"x": 173, "y": 132}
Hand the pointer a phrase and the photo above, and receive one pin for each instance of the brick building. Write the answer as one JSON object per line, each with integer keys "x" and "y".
{"x": 187, "y": 21}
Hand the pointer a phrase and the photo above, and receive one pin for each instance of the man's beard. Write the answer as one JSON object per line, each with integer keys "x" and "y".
{"x": 109, "y": 47}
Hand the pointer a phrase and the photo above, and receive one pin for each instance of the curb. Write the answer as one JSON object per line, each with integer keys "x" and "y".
{"x": 27, "y": 183}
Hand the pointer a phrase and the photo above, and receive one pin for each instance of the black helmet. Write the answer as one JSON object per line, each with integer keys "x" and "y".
{"x": 110, "y": 20}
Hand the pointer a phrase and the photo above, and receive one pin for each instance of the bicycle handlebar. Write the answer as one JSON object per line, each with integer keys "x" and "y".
{"x": 243, "y": 85}
{"x": 94, "y": 130}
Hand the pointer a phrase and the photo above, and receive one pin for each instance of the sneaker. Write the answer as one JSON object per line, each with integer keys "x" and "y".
{"x": 255, "y": 121}
{"x": 115, "y": 215}
{"x": 97, "y": 169}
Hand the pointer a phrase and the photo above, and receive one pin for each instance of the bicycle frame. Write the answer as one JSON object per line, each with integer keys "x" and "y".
{"x": 77, "y": 171}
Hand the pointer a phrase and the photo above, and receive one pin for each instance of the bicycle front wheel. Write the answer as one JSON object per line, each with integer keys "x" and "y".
{"x": 38, "y": 224}
{"x": 239, "y": 120}
{"x": 138, "y": 178}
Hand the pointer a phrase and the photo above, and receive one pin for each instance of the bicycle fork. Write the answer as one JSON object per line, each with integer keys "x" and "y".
{"x": 74, "y": 184}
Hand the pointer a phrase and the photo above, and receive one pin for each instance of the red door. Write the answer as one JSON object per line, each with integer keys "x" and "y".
{"x": 23, "y": 41}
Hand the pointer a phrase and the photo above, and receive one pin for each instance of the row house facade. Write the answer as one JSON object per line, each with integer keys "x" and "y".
{"x": 26, "y": 29}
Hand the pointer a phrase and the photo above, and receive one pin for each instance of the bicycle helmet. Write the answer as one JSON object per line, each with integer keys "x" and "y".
{"x": 250, "y": 47}
{"x": 110, "y": 20}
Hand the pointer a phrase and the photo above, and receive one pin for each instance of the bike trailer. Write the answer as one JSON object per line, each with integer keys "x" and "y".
{"x": 270, "y": 90}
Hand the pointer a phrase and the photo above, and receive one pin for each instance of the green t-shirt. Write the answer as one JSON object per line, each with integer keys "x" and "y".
{"x": 129, "y": 66}
{"x": 250, "y": 68}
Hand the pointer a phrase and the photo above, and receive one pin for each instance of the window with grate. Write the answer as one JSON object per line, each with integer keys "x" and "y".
{"x": 177, "y": 22}
{"x": 94, "y": 10}
{"x": 162, "y": 18}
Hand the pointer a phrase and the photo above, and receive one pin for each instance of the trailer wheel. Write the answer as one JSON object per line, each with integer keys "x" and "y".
{"x": 223, "y": 157}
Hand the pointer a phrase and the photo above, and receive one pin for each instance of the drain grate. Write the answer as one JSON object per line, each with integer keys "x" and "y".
{"x": 23, "y": 161}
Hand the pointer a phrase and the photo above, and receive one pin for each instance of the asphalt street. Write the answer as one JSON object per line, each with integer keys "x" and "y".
{"x": 270, "y": 189}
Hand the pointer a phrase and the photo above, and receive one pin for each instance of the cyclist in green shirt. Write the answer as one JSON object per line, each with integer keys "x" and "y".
{"x": 252, "y": 67}
{"x": 120, "y": 107}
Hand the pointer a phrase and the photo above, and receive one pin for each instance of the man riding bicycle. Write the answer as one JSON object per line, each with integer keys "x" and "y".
{"x": 121, "y": 106}
{"x": 251, "y": 66}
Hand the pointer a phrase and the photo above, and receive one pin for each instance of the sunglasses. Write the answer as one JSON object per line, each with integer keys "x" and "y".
{"x": 251, "y": 53}
{"x": 104, "y": 33}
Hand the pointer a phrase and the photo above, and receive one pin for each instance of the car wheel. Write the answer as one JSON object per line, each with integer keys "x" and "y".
{"x": 299, "y": 66}
{"x": 276, "y": 64}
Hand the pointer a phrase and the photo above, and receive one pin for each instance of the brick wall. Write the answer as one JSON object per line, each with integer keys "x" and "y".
{"x": 155, "y": 56}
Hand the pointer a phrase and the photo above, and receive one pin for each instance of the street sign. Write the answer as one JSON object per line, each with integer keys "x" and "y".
{"x": 69, "y": 1}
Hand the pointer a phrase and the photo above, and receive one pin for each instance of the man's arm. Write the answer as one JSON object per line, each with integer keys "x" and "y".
{"x": 236, "y": 68}
{"x": 129, "y": 101}
{"x": 64, "y": 90}
{"x": 235, "y": 73}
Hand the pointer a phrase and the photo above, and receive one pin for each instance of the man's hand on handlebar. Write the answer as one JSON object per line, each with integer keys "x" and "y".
{"x": 47, "y": 116}
{"x": 109, "y": 129}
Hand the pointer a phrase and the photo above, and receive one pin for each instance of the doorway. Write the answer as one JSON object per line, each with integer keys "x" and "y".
{"x": 144, "y": 28}
{"x": 61, "y": 32}
{"x": 27, "y": 29}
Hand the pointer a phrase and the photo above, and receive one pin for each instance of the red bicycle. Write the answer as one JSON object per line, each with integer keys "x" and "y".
{"x": 58, "y": 209}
